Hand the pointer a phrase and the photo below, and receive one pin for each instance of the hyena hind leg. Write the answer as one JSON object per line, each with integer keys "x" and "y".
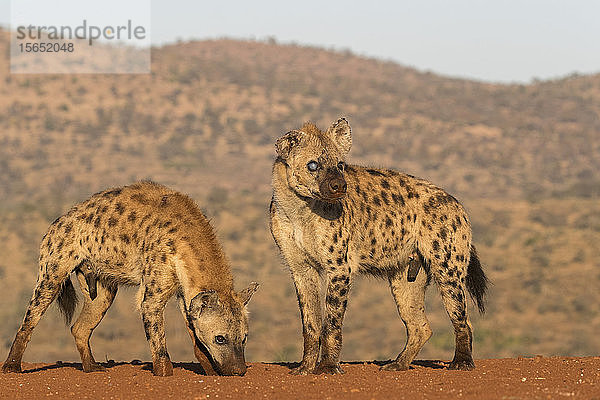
{"x": 91, "y": 314}
{"x": 454, "y": 297}
{"x": 410, "y": 300}
{"x": 44, "y": 294}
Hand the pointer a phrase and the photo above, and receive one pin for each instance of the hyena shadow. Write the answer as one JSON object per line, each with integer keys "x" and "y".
{"x": 431, "y": 364}
{"x": 146, "y": 366}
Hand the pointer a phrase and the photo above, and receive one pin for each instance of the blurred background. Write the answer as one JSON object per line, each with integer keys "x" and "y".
{"x": 499, "y": 103}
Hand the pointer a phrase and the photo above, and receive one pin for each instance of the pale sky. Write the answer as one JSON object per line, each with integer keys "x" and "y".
{"x": 501, "y": 40}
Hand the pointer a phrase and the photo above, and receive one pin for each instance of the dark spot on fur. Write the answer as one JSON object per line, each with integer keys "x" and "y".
{"x": 147, "y": 328}
{"x": 339, "y": 261}
{"x": 164, "y": 201}
{"x": 385, "y": 184}
{"x": 132, "y": 216}
{"x": 112, "y": 193}
{"x": 112, "y": 221}
{"x": 139, "y": 198}
{"x": 388, "y": 222}
{"x": 384, "y": 197}
{"x": 375, "y": 172}
{"x": 335, "y": 237}
{"x": 120, "y": 208}
{"x": 97, "y": 221}
{"x": 436, "y": 245}
{"x": 163, "y": 257}
{"x": 331, "y": 249}
{"x": 333, "y": 300}
{"x": 365, "y": 197}
{"x": 376, "y": 201}
{"x": 171, "y": 245}
{"x": 398, "y": 199}
{"x": 173, "y": 230}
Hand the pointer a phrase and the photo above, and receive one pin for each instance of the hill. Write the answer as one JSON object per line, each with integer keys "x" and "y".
{"x": 524, "y": 159}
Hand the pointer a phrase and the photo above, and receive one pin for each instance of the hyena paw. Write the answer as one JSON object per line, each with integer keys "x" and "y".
{"x": 329, "y": 368}
{"x": 395, "y": 366}
{"x": 162, "y": 368}
{"x": 302, "y": 369}
{"x": 11, "y": 367}
{"x": 462, "y": 365}
{"x": 93, "y": 367}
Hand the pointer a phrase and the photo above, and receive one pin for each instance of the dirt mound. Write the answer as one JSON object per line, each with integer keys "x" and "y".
{"x": 522, "y": 378}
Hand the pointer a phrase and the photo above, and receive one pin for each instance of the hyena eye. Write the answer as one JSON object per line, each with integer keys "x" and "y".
{"x": 341, "y": 166}
{"x": 312, "y": 166}
{"x": 220, "y": 339}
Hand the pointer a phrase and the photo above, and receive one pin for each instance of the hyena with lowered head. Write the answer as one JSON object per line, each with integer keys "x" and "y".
{"x": 335, "y": 220}
{"x": 147, "y": 235}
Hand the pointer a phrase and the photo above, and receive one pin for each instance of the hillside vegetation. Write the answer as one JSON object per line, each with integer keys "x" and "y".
{"x": 524, "y": 159}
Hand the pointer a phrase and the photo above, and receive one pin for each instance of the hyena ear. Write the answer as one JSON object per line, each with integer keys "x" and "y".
{"x": 341, "y": 134}
{"x": 246, "y": 294}
{"x": 204, "y": 300}
{"x": 287, "y": 142}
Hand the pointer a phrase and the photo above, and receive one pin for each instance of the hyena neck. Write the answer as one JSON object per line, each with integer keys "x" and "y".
{"x": 295, "y": 206}
{"x": 286, "y": 199}
{"x": 206, "y": 269}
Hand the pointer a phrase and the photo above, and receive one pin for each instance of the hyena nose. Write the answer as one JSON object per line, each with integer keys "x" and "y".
{"x": 337, "y": 186}
{"x": 240, "y": 371}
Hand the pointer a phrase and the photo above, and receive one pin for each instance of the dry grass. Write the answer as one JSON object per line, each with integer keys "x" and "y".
{"x": 525, "y": 160}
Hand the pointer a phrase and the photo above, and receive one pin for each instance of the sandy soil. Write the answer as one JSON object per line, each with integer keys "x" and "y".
{"x": 522, "y": 378}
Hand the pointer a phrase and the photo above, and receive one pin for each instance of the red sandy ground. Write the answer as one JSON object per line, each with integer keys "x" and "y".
{"x": 522, "y": 378}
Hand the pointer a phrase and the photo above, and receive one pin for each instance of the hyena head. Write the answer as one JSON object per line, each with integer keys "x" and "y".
{"x": 314, "y": 160}
{"x": 222, "y": 328}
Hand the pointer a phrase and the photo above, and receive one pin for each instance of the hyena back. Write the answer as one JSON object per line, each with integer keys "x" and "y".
{"x": 149, "y": 236}
{"x": 335, "y": 220}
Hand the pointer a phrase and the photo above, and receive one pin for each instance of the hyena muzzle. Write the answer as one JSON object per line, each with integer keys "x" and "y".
{"x": 335, "y": 220}
{"x": 149, "y": 236}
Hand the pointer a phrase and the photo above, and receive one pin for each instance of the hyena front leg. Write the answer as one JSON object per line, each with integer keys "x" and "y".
{"x": 200, "y": 356}
{"x": 338, "y": 286}
{"x": 410, "y": 301}
{"x": 91, "y": 314}
{"x": 45, "y": 292}
{"x": 307, "y": 282}
{"x": 152, "y": 307}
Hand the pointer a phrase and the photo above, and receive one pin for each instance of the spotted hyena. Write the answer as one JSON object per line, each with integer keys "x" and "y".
{"x": 147, "y": 235}
{"x": 334, "y": 220}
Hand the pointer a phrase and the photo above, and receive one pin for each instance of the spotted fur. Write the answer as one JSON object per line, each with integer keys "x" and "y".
{"x": 149, "y": 236}
{"x": 383, "y": 223}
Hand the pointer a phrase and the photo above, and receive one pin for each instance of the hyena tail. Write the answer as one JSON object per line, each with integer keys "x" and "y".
{"x": 477, "y": 282}
{"x": 67, "y": 300}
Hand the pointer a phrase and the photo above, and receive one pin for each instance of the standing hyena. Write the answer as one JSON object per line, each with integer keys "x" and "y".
{"x": 147, "y": 235}
{"x": 333, "y": 219}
